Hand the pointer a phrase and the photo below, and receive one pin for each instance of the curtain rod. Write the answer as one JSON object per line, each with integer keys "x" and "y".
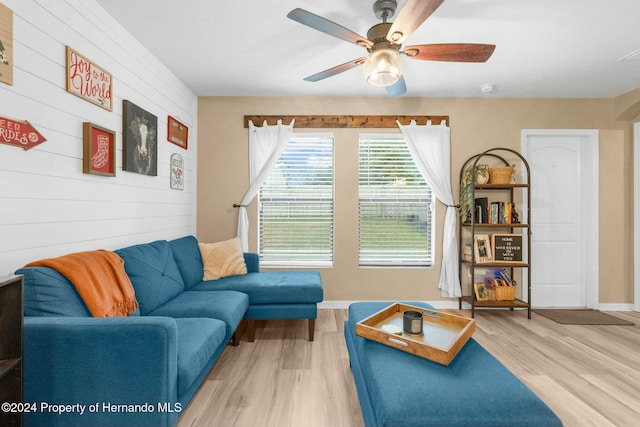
{"x": 341, "y": 121}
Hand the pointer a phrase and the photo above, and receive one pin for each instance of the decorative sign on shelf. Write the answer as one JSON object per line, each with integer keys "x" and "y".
{"x": 19, "y": 133}
{"x": 177, "y": 172}
{"x": 88, "y": 81}
{"x": 507, "y": 247}
{"x": 6, "y": 45}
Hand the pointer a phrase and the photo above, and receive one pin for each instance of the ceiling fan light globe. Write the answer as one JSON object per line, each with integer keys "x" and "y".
{"x": 383, "y": 67}
{"x": 382, "y": 79}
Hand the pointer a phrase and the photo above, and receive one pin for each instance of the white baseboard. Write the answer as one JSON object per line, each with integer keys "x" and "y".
{"x": 615, "y": 307}
{"x": 440, "y": 304}
{"x": 453, "y": 304}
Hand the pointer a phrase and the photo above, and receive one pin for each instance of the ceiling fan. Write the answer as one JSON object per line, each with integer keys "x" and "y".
{"x": 383, "y": 66}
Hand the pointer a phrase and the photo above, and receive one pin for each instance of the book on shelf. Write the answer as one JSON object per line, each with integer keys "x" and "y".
{"x": 499, "y": 280}
{"x": 466, "y": 253}
{"x": 500, "y": 212}
{"x": 504, "y": 275}
{"x": 482, "y": 210}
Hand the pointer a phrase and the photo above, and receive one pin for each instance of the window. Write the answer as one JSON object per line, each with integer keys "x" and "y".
{"x": 296, "y": 204}
{"x": 395, "y": 205}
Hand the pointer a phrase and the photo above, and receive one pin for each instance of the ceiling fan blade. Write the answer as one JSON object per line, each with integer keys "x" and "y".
{"x": 410, "y": 17}
{"x": 335, "y": 70}
{"x": 452, "y": 52}
{"x": 398, "y": 88}
{"x": 328, "y": 27}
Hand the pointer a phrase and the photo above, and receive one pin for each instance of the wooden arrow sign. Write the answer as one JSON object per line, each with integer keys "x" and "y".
{"x": 20, "y": 133}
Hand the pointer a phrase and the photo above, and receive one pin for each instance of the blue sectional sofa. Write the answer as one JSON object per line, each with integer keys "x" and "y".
{"x": 143, "y": 369}
{"x": 398, "y": 389}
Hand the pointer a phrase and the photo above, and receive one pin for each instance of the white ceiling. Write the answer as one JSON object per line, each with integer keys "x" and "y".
{"x": 545, "y": 48}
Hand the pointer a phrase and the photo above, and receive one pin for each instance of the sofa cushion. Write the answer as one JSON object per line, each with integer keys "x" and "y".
{"x": 252, "y": 261}
{"x": 228, "y": 306}
{"x": 198, "y": 340}
{"x": 187, "y": 256}
{"x": 153, "y": 273}
{"x": 271, "y": 287}
{"x": 222, "y": 259}
{"x": 49, "y": 293}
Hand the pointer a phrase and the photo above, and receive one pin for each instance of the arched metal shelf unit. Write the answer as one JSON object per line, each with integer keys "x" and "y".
{"x": 469, "y": 230}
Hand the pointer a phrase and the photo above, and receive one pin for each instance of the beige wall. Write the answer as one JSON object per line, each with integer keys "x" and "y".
{"x": 476, "y": 125}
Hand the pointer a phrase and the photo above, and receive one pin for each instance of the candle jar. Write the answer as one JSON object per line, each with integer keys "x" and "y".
{"x": 412, "y": 322}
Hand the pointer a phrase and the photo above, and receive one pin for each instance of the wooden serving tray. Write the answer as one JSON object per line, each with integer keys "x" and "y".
{"x": 443, "y": 334}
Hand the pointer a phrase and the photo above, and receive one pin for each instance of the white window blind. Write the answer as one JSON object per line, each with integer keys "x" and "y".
{"x": 296, "y": 205}
{"x": 395, "y": 205}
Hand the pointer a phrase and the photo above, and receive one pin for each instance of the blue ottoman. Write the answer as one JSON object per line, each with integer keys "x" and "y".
{"x": 399, "y": 389}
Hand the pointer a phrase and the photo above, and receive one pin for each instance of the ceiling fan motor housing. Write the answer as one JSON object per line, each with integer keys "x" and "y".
{"x": 378, "y": 36}
{"x": 385, "y": 9}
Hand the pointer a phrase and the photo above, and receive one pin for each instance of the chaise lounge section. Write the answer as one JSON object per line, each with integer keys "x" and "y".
{"x": 272, "y": 294}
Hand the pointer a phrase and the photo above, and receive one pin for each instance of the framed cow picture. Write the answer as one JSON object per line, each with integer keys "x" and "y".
{"x": 140, "y": 140}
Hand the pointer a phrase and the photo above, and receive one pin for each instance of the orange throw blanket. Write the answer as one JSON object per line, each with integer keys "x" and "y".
{"x": 100, "y": 279}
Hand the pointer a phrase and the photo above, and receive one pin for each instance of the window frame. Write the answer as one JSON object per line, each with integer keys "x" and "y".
{"x": 429, "y": 263}
{"x": 290, "y": 263}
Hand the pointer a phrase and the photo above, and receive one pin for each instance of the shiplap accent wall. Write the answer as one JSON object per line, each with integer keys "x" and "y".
{"x": 48, "y": 207}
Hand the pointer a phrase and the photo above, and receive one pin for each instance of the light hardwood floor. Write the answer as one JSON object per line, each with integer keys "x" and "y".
{"x": 588, "y": 375}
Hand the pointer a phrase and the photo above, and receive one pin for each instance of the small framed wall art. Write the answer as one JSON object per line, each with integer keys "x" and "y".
{"x": 88, "y": 81}
{"x": 177, "y": 133}
{"x": 6, "y": 45}
{"x": 99, "y": 155}
{"x": 177, "y": 172}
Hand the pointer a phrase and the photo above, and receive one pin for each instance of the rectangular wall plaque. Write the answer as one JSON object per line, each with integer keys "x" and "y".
{"x": 177, "y": 133}
{"x": 89, "y": 81}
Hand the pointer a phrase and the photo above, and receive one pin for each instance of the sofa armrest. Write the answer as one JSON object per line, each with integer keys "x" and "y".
{"x": 104, "y": 361}
{"x": 252, "y": 260}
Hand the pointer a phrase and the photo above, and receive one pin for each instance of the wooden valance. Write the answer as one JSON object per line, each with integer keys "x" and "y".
{"x": 337, "y": 121}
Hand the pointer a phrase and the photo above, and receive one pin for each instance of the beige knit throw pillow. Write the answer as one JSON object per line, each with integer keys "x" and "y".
{"x": 222, "y": 259}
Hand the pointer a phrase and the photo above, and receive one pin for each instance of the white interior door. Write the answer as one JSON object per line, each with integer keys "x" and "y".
{"x": 563, "y": 213}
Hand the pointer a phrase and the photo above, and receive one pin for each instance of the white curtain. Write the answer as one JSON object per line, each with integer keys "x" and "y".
{"x": 430, "y": 147}
{"x": 266, "y": 144}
